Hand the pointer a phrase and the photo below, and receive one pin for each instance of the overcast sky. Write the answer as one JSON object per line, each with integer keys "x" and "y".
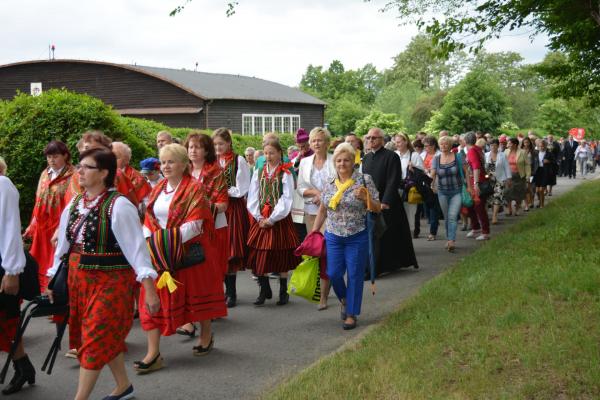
{"x": 269, "y": 39}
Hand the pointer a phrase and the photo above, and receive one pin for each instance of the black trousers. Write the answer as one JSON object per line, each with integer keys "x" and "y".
{"x": 571, "y": 167}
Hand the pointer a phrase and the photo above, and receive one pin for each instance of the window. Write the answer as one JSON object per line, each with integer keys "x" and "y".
{"x": 258, "y": 124}
{"x": 247, "y": 125}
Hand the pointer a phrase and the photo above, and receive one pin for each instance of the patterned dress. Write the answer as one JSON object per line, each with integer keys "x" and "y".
{"x": 270, "y": 197}
{"x": 199, "y": 295}
{"x": 237, "y": 215}
{"x": 212, "y": 178}
{"x": 497, "y": 199}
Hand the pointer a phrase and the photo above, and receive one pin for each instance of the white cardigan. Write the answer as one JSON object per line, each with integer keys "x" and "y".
{"x": 304, "y": 172}
{"x": 502, "y": 167}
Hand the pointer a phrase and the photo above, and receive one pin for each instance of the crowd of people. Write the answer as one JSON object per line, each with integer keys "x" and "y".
{"x": 166, "y": 242}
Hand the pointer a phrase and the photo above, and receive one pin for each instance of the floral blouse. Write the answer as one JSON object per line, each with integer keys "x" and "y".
{"x": 349, "y": 218}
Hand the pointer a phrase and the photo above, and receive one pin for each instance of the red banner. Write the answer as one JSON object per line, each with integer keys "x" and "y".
{"x": 577, "y": 133}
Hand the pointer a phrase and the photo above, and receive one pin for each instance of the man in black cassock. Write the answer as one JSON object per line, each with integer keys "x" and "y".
{"x": 394, "y": 249}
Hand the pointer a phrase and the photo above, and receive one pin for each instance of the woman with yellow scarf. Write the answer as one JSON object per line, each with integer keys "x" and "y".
{"x": 345, "y": 202}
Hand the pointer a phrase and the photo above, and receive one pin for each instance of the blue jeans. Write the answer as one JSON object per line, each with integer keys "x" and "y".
{"x": 450, "y": 202}
{"x": 348, "y": 255}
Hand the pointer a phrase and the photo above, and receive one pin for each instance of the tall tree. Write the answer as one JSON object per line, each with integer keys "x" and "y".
{"x": 572, "y": 26}
{"x": 476, "y": 103}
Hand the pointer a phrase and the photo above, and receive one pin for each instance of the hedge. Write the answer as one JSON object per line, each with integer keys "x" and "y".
{"x": 28, "y": 123}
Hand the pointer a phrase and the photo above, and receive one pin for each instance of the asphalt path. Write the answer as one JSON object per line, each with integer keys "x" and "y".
{"x": 255, "y": 348}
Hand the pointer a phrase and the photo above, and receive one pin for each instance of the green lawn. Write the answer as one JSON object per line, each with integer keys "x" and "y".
{"x": 517, "y": 319}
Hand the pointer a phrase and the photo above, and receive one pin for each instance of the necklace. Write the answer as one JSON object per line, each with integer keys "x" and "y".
{"x": 90, "y": 203}
{"x": 165, "y": 191}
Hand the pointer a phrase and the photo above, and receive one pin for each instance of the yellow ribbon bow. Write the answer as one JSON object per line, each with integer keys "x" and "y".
{"x": 167, "y": 280}
{"x": 341, "y": 188}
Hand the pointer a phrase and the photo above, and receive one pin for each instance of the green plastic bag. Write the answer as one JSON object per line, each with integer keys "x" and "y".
{"x": 305, "y": 281}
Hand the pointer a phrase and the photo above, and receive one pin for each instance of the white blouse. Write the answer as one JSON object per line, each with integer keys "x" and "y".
{"x": 11, "y": 245}
{"x": 283, "y": 207}
{"x": 189, "y": 230}
{"x": 415, "y": 159}
{"x": 126, "y": 226}
{"x": 242, "y": 178}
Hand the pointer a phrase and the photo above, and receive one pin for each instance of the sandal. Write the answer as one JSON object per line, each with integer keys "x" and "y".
{"x": 322, "y": 307}
{"x": 430, "y": 238}
{"x": 202, "y": 351}
{"x": 154, "y": 365}
{"x": 184, "y": 332}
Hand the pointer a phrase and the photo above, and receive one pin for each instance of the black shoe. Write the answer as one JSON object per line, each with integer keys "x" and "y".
{"x": 230, "y": 291}
{"x": 202, "y": 351}
{"x": 265, "y": 291}
{"x": 24, "y": 373}
{"x": 126, "y": 395}
{"x": 284, "y": 297}
{"x": 184, "y": 332}
{"x": 348, "y": 327}
{"x": 154, "y": 365}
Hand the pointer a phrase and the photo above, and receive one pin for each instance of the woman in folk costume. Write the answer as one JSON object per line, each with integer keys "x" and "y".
{"x": 272, "y": 238}
{"x": 178, "y": 220}
{"x": 49, "y": 204}
{"x": 141, "y": 187}
{"x": 12, "y": 263}
{"x": 237, "y": 176}
{"x": 100, "y": 235}
{"x": 98, "y": 140}
{"x": 207, "y": 171}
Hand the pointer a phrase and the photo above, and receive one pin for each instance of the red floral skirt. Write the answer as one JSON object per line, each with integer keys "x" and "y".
{"x": 199, "y": 296}
{"x": 238, "y": 221}
{"x": 8, "y": 329}
{"x": 101, "y": 312}
{"x": 272, "y": 249}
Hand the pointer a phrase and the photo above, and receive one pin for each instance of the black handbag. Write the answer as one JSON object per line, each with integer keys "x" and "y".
{"x": 59, "y": 284}
{"x": 29, "y": 284}
{"x": 193, "y": 256}
{"x": 486, "y": 188}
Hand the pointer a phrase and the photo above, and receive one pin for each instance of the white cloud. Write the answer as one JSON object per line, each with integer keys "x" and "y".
{"x": 271, "y": 39}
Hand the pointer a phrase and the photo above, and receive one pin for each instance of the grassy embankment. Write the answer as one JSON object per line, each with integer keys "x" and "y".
{"x": 517, "y": 319}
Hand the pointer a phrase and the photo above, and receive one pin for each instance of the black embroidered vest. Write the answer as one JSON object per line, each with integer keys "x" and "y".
{"x": 100, "y": 248}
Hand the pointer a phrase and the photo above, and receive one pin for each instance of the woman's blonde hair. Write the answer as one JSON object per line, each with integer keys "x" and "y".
{"x": 480, "y": 143}
{"x": 3, "y": 166}
{"x": 319, "y": 130}
{"x": 344, "y": 148}
{"x": 177, "y": 151}
{"x": 446, "y": 139}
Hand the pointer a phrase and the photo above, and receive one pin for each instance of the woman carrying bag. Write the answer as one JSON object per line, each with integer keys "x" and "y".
{"x": 101, "y": 237}
{"x": 344, "y": 211}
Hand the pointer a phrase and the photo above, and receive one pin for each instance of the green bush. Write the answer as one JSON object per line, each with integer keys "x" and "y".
{"x": 28, "y": 123}
{"x": 144, "y": 129}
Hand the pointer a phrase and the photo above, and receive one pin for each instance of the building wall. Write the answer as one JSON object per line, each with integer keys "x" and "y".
{"x": 126, "y": 89}
{"x": 228, "y": 113}
{"x": 195, "y": 121}
{"x": 120, "y": 87}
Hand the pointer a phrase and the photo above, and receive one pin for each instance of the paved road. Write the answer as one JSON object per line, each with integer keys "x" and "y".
{"x": 255, "y": 348}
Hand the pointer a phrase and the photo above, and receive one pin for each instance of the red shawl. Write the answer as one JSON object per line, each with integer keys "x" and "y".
{"x": 141, "y": 187}
{"x": 49, "y": 204}
{"x": 122, "y": 184}
{"x": 189, "y": 204}
{"x": 213, "y": 180}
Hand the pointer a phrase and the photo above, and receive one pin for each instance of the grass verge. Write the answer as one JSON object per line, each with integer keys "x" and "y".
{"x": 517, "y": 319}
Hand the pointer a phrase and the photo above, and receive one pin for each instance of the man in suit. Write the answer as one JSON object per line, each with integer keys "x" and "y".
{"x": 569, "y": 156}
{"x": 395, "y": 248}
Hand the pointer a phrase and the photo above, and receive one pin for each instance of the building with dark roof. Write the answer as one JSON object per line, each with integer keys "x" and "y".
{"x": 178, "y": 98}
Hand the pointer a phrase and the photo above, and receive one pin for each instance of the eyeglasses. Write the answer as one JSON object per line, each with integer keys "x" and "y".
{"x": 372, "y": 137}
{"x": 85, "y": 167}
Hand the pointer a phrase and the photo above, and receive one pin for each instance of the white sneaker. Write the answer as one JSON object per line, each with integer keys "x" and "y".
{"x": 483, "y": 237}
{"x": 473, "y": 233}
